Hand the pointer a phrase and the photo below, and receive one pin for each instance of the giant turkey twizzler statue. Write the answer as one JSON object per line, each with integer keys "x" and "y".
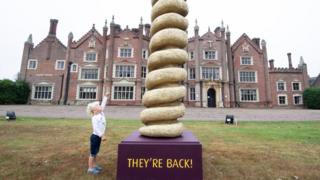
{"x": 166, "y": 73}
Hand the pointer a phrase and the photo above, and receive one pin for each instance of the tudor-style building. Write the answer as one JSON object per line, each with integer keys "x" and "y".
{"x": 220, "y": 74}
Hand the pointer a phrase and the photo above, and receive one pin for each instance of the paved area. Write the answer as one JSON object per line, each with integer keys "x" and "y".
{"x": 132, "y": 113}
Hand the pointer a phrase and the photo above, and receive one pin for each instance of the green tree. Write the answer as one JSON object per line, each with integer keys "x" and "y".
{"x": 13, "y": 92}
{"x": 311, "y": 98}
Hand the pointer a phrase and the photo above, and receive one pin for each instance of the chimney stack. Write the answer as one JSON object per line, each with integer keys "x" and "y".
{"x": 290, "y": 60}
{"x": 271, "y": 63}
{"x": 147, "y": 29}
{"x": 53, "y": 27}
{"x": 256, "y": 41}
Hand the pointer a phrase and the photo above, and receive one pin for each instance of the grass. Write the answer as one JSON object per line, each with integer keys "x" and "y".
{"x": 40, "y": 148}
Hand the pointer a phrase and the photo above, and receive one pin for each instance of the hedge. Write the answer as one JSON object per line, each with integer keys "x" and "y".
{"x": 311, "y": 98}
{"x": 14, "y": 92}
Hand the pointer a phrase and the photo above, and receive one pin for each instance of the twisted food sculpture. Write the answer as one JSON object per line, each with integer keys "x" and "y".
{"x": 165, "y": 77}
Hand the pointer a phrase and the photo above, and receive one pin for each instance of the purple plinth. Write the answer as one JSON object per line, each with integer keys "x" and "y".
{"x": 143, "y": 158}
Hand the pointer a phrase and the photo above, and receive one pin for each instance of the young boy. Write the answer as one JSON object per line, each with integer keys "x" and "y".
{"x": 95, "y": 110}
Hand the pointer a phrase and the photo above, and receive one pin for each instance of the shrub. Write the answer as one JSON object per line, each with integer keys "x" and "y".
{"x": 13, "y": 92}
{"x": 311, "y": 98}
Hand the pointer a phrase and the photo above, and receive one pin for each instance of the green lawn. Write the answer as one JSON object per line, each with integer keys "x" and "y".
{"x": 35, "y": 148}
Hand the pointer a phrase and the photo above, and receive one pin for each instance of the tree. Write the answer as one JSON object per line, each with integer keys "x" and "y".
{"x": 311, "y": 98}
{"x": 14, "y": 92}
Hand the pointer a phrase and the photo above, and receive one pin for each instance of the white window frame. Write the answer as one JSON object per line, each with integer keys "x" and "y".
{"x": 77, "y": 67}
{"x": 255, "y": 73}
{"x": 145, "y": 54}
{"x": 220, "y": 71}
{"x": 195, "y": 97}
{"x": 34, "y": 60}
{"x": 286, "y": 99}
{"x": 300, "y": 88}
{"x": 189, "y": 74}
{"x": 115, "y": 68}
{"x": 87, "y": 86}
{"x": 80, "y": 74}
{"x": 297, "y": 95}
{"x": 85, "y": 56}
{"x": 284, "y": 84}
{"x": 215, "y": 58}
{"x": 124, "y": 85}
{"x": 59, "y": 61}
{"x": 191, "y": 55}
{"x": 119, "y": 52}
{"x": 144, "y": 72}
{"x": 257, "y": 94}
{"x": 251, "y": 59}
{"x": 42, "y": 84}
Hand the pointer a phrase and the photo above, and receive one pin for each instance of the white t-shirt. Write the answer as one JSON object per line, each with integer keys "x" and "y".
{"x": 99, "y": 120}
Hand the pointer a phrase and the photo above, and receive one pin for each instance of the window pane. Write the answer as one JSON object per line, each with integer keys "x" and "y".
{"x": 123, "y": 93}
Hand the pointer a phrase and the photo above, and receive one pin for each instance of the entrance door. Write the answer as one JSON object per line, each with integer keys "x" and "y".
{"x": 212, "y": 98}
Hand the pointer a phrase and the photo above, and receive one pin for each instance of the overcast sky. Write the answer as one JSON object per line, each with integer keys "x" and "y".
{"x": 286, "y": 25}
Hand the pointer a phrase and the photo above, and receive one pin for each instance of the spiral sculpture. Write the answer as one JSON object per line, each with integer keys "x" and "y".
{"x": 164, "y": 80}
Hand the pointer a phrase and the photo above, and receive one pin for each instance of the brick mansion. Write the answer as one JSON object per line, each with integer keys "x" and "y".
{"x": 220, "y": 74}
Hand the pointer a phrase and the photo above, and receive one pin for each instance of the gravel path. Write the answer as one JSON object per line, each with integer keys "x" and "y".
{"x": 123, "y": 112}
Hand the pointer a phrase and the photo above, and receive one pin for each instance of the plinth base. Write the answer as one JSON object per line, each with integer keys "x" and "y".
{"x": 143, "y": 158}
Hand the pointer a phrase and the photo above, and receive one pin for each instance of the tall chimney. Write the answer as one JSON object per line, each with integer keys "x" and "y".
{"x": 256, "y": 41}
{"x": 271, "y": 63}
{"x": 147, "y": 29}
{"x": 290, "y": 60}
{"x": 53, "y": 27}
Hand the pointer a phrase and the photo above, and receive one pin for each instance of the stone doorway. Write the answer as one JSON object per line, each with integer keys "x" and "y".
{"x": 212, "y": 98}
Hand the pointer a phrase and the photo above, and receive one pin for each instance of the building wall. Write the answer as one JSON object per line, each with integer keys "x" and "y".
{"x": 107, "y": 46}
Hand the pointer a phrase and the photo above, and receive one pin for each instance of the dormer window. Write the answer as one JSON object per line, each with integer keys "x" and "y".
{"x": 90, "y": 57}
{"x": 210, "y": 55}
{"x": 125, "y": 53}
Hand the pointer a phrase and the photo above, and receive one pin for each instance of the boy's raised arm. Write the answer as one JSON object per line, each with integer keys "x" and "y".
{"x": 104, "y": 100}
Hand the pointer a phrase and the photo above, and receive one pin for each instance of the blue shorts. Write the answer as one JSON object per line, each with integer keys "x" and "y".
{"x": 95, "y": 142}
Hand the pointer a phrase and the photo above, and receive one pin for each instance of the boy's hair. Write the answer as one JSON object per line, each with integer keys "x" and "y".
{"x": 91, "y": 106}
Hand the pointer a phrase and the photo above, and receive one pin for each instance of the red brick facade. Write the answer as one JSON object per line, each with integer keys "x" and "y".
{"x": 219, "y": 74}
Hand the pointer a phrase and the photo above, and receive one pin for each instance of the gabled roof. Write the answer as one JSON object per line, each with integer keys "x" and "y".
{"x": 84, "y": 38}
{"x": 245, "y": 37}
{"x": 50, "y": 38}
{"x": 317, "y": 81}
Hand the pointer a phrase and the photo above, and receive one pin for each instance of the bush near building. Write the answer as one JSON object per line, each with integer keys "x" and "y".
{"x": 311, "y": 98}
{"x": 14, "y": 92}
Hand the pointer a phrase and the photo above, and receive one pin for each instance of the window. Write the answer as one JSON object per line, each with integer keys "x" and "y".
{"x": 192, "y": 73}
{"x": 143, "y": 72}
{"x": 296, "y": 86}
{"x": 32, "y": 64}
{"x": 144, "y": 54}
{"x": 246, "y": 61}
{"x": 211, "y": 73}
{"x": 60, "y": 65}
{"x": 248, "y": 95}
{"x": 88, "y": 93}
{"x": 91, "y": 57}
{"x": 297, "y": 99}
{"x": 281, "y": 86}
{"x": 282, "y": 100}
{"x": 123, "y": 93}
{"x": 43, "y": 92}
{"x": 191, "y": 55}
{"x": 210, "y": 55}
{"x": 125, "y": 52}
{"x": 192, "y": 94}
{"x": 248, "y": 77}
{"x": 143, "y": 90}
{"x": 74, "y": 68}
{"x": 90, "y": 74}
{"x": 125, "y": 71}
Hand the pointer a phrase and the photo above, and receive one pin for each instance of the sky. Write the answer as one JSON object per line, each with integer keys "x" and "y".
{"x": 286, "y": 25}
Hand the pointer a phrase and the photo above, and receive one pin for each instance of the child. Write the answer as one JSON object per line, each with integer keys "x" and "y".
{"x": 99, "y": 125}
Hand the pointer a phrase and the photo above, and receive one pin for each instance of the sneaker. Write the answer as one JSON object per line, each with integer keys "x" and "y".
{"x": 93, "y": 171}
{"x": 99, "y": 168}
